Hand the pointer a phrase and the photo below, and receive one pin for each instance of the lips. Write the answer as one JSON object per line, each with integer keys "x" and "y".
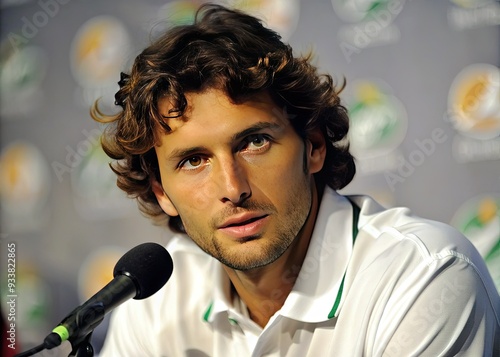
{"x": 242, "y": 223}
{"x": 245, "y": 225}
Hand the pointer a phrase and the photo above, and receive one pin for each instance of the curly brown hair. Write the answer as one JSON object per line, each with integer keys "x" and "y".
{"x": 231, "y": 51}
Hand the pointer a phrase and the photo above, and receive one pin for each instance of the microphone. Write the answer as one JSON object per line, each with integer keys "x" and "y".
{"x": 138, "y": 274}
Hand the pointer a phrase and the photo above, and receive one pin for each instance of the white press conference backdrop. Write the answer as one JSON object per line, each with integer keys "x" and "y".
{"x": 423, "y": 92}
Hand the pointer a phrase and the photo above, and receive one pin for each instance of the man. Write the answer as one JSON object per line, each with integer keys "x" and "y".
{"x": 241, "y": 147}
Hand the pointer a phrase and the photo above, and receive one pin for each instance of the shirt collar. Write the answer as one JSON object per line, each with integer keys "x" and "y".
{"x": 319, "y": 282}
{"x": 221, "y": 293}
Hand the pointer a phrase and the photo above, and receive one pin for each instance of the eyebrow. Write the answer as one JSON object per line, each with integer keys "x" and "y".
{"x": 257, "y": 127}
{"x": 254, "y": 129}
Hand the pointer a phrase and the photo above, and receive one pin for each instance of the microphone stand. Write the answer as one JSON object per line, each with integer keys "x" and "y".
{"x": 80, "y": 342}
{"x": 83, "y": 348}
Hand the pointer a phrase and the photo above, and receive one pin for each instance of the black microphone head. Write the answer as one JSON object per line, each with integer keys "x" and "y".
{"x": 149, "y": 265}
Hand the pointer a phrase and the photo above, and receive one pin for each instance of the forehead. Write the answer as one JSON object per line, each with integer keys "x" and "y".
{"x": 213, "y": 109}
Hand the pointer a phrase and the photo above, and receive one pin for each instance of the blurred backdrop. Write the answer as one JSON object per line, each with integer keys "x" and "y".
{"x": 423, "y": 92}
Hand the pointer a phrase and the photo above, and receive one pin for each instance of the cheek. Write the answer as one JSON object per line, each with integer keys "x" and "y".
{"x": 193, "y": 196}
{"x": 285, "y": 172}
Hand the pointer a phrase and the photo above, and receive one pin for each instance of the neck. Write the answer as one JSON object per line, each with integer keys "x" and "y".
{"x": 265, "y": 289}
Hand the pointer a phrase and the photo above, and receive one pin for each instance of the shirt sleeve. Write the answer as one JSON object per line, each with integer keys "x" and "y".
{"x": 456, "y": 313}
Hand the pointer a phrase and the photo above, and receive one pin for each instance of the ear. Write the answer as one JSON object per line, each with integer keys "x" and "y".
{"x": 163, "y": 200}
{"x": 316, "y": 151}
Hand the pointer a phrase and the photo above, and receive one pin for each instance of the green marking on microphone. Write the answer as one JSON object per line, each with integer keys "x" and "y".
{"x": 62, "y": 332}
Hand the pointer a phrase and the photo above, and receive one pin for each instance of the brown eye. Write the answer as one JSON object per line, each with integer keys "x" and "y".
{"x": 191, "y": 163}
{"x": 194, "y": 161}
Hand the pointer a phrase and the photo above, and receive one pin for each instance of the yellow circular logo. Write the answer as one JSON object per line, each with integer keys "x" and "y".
{"x": 474, "y": 101}
{"x": 24, "y": 180}
{"x": 99, "y": 51}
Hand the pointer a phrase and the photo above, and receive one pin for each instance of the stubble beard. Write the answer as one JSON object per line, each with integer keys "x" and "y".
{"x": 265, "y": 249}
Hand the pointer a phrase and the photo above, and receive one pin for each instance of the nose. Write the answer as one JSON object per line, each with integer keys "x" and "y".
{"x": 234, "y": 185}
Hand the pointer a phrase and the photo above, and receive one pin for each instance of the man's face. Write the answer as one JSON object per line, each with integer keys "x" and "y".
{"x": 238, "y": 175}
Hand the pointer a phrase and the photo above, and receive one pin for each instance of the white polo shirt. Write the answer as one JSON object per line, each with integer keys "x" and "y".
{"x": 406, "y": 287}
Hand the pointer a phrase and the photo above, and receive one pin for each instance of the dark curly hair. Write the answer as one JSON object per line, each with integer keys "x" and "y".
{"x": 231, "y": 51}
